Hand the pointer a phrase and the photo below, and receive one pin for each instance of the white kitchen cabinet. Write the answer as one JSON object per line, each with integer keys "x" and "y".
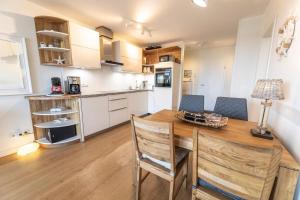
{"x": 162, "y": 99}
{"x": 83, "y": 36}
{"x": 85, "y": 47}
{"x": 95, "y": 115}
{"x": 138, "y": 103}
{"x": 128, "y": 54}
{"x": 85, "y": 57}
{"x": 151, "y": 108}
{"x": 118, "y": 109}
{"x": 118, "y": 116}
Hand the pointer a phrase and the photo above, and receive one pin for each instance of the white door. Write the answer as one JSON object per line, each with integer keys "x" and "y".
{"x": 95, "y": 114}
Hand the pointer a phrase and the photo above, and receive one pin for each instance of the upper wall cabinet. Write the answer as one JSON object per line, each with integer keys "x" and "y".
{"x": 53, "y": 41}
{"x": 128, "y": 54}
{"x": 85, "y": 47}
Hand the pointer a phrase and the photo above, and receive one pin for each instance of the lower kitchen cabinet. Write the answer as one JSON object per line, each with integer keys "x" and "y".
{"x": 118, "y": 116}
{"x": 95, "y": 114}
{"x": 138, "y": 103}
{"x": 151, "y": 103}
{"x": 118, "y": 109}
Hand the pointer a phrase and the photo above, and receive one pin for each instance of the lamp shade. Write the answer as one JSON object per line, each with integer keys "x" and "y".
{"x": 268, "y": 89}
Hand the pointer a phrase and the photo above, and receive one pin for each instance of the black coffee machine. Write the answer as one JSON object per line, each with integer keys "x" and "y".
{"x": 72, "y": 85}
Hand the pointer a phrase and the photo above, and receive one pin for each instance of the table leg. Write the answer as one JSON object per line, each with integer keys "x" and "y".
{"x": 286, "y": 184}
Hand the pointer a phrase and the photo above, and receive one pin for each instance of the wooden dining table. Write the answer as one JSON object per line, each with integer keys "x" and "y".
{"x": 237, "y": 131}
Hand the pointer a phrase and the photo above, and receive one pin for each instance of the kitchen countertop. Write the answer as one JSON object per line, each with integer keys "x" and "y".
{"x": 110, "y": 92}
{"x": 87, "y": 94}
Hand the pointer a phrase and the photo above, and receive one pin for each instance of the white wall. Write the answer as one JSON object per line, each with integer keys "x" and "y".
{"x": 246, "y": 59}
{"x": 211, "y": 68}
{"x": 16, "y": 18}
{"x": 250, "y": 64}
{"x": 285, "y": 114}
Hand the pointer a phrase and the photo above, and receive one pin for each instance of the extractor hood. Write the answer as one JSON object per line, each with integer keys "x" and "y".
{"x": 106, "y": 47}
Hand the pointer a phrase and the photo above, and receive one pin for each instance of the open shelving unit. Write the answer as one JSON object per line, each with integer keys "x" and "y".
{"x": 151, "y": 57}
{"x": 43, "y": 119}
{"x": 53, "y": 39}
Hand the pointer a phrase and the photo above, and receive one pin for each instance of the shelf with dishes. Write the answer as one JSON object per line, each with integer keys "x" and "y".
{"x": 53, "y": 39}
{"x": 53, "y": 33}
{"x": 58, "y": 49}
{"x": 60, "y": 112}
{"x": 57, "y": 123}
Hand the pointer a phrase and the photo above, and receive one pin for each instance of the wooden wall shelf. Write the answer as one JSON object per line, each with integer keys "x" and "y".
{"x": 151, "y": 57}
{"x": 53, "y": 39}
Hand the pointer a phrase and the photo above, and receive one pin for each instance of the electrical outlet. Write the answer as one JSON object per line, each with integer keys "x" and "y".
{"x": 20, "y": 133}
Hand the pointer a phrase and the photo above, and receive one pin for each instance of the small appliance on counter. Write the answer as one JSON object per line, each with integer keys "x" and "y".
{"x": 56, "y": 88}
{"x": 73, "y": 85}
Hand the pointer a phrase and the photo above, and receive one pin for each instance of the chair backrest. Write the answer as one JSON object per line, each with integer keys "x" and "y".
{"x": 235, "y": 108}
{"x": 154, "y": 139}
{"x": 192, "y": 103}
{"x": 239, "y": 169}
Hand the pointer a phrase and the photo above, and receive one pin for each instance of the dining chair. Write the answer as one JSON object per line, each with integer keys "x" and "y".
{"x": 227, "y": 170}
{"x": 192, "y": 103}
{"x": 231, "y": 107}
{"x": 157, "y": 154}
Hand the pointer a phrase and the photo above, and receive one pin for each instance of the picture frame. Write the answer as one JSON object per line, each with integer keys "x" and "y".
{"x": 14, "y": 67}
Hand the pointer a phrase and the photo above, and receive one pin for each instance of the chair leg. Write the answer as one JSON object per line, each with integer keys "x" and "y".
{"x": 172, "y": 188}
{"x": 186, "y": 172}
{"x": 138, "y": 182}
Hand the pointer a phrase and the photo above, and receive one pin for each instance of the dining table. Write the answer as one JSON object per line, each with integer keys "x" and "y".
{"x": 237, "y": 131}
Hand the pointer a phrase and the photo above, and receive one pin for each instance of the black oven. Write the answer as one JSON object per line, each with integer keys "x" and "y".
{"x": 163, "y": 77}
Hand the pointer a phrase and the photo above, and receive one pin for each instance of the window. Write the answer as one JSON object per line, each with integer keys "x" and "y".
{"x": 14, "y": 69}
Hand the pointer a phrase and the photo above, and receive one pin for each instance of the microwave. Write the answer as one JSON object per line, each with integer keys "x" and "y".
{"x": 163, "y": 77}
{"x": 166, "y": 58}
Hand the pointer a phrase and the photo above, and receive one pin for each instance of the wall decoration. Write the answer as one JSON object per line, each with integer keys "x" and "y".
{"x": 187, "y": 75}
{"x": 14, "y": 68}
{"x": 286, "y": 34}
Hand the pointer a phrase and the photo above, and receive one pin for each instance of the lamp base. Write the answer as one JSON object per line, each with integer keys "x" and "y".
{"x": 262, "y": 133}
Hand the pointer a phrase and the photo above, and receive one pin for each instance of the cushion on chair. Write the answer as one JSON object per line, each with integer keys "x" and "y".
{"x": 235, "y": 108}
{"x": 218, "y": 190}
{"x": 180, "y": 154}
{"x": 192, "y": 103}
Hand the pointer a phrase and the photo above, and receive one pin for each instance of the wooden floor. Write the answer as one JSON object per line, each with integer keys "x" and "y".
{"x": 98, "y": 169}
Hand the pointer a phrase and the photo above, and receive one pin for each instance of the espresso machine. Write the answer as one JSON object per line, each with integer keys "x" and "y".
{"x": 72, "y": 85}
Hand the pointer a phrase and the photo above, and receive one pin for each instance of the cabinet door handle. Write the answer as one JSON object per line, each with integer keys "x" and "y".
{"x": 117, "y": 99}
{"x": 118, "y": 109}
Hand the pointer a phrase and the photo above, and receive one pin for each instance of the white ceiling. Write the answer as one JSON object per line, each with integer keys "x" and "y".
{"x": 169, "y": 20}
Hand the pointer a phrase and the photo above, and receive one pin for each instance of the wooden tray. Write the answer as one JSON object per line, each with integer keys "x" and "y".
{"x": 210, "y": 123}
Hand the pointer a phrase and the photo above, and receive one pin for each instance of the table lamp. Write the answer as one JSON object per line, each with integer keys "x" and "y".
{"x": 267, "y": 89}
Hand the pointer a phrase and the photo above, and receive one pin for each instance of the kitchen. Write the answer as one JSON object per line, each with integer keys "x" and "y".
{"x": 75, "y": 71}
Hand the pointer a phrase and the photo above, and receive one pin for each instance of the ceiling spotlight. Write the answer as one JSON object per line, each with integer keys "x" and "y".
{"x": 201, "y": 3}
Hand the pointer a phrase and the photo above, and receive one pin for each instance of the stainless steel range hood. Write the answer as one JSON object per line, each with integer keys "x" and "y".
{"x": 106, "y": 47}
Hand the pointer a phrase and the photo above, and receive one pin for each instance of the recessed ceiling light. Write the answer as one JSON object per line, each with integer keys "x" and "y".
{"x": 201, "y": 3}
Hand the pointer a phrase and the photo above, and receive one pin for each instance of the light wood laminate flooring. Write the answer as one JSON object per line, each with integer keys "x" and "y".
{"x": 100, "y": 169}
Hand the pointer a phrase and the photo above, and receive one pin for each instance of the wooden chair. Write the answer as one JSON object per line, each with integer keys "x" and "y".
{"x": 156, "y": 153}
{"x": 226, "y": 170}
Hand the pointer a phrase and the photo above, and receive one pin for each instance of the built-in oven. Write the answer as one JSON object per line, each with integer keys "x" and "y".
{"x": 163, "y": 77}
